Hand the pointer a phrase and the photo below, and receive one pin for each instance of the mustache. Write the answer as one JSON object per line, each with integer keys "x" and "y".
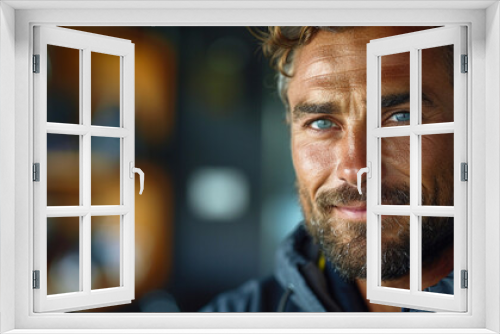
{"x": 346, "y": 195}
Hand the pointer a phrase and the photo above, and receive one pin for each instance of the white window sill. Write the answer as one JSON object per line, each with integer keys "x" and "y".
{"x": 248, "y": 331}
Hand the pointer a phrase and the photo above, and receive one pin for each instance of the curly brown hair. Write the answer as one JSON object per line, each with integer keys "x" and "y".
{"x": 279, "y": 44}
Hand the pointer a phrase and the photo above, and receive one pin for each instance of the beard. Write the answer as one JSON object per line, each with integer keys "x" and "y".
{"x": 343, "y": 242}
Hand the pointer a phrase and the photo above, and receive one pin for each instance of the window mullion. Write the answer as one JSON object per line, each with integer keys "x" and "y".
{"x": 80, "y": 211}
{"x": 85, "y": 273}
{"x": 107, "y": 131}
{"x": 422, "y": 129}
{"x": 433, "y": 129}
{"x": 415, "y": 270}
{"x": 422, "y": 210}
{"x": 109, "y": 210}
{"x": 85, "y": 166}
{"x": 82, "y": 193}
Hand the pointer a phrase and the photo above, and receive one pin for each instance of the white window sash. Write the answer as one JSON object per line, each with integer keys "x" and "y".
{"x": 414, "y": 297}
{"x": 85, "y": 298}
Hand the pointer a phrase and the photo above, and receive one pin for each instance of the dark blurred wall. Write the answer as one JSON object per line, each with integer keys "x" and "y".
{"x": 211, "y": 138}
{"x": 218, "y": 131}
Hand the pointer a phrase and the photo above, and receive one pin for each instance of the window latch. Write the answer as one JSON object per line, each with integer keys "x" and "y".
{"x": 36, "y": 63}
{"x": 133, "y": 170}
{"x": 36, "y": 279}
{"x": 368, "y": 171}
{"x": 36, "y": 172}
{"x": 464, "y": 171}
{"x": 465, "y": 64}
{"x": 464, "y": 279}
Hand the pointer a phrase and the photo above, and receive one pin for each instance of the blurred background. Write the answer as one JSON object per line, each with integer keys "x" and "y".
{"x": 212, "y": 141}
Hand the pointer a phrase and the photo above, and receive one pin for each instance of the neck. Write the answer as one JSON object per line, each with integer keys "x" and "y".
{"x": 432, "y": 273}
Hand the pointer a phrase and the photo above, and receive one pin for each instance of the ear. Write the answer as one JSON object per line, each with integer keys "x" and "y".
{"x": 288, "y": 116}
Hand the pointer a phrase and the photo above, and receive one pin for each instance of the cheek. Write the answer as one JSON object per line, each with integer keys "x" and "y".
{"x": 396, "y": 155}
{"x": 313, "y": 162}
{"x": 437, "y": 157}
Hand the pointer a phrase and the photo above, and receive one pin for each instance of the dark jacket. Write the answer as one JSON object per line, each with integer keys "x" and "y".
{"x": 298, "y": 285}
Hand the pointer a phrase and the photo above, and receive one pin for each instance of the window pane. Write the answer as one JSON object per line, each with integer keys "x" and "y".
{"x": 63, "y": 255}
{"x": 395, "y": 252}
{"x": 437, "y": 252}
{"x": 105, "y": 171}
{"x": 437, "y": 169}
{"x": 437, "y": 85}
{"x": 105, "y": 252}
{"x": 63, "y": 170}
{"x": 395, "y": 89}
{"x": 105, "y": 89}
{"x": 395, "y": 171}
{"x": 63, "y": 85}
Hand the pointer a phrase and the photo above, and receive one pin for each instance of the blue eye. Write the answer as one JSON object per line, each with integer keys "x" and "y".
{"x": 400, "y": 117}
{"x": 322, "y": 124}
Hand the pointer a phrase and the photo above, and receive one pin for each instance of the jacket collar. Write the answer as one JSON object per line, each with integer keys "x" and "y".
{"x": 296, "y": 270}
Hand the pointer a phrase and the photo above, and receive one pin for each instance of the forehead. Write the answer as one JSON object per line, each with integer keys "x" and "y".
{"x": 337, "y": 61}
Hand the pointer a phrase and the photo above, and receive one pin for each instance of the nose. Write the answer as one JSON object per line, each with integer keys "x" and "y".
{"x": 351, "y": 155}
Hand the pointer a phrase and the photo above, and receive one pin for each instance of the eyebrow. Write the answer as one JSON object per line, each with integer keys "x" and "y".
{"x": 327, "y": 108}
{"x": 393, "y": 100}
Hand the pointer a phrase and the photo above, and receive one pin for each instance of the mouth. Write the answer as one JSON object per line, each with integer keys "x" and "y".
{"x": 354, "y": 211}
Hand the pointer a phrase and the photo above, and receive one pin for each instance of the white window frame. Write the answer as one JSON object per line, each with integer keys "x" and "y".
{"x": 16, "y": 125}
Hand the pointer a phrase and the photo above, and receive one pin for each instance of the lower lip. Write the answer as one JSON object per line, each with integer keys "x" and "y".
{"x": 351, "y": 212}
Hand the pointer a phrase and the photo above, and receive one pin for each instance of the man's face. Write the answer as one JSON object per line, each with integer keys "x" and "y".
{"x": 327, "y": 96}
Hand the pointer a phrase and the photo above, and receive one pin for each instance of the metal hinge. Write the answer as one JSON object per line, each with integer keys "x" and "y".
{"x": 36, "y": 279}
{"x": 464, "y": 172}
{"x": 36, "y": 63}
{"x": 465, "y": 64}
{"x": 36, "y": 172}
{"x": 465, "y": 279}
